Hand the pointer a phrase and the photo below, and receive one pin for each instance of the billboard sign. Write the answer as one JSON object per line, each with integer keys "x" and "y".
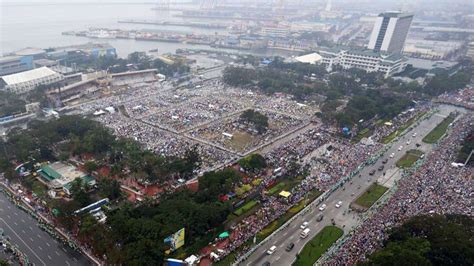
{"x": 175, "y": 240}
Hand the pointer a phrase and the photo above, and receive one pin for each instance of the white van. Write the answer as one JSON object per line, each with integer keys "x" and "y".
{"x": 304, "y": 225}
{"x": 271, "y": 250}
{"x": 305, "y": 233}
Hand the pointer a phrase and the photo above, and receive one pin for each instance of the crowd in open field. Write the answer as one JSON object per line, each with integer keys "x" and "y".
{"x": 278, "y": 124}
{"x": 163, "y": 142}
{"x": 159, "y": 116}
{"x": 435, "y": 187}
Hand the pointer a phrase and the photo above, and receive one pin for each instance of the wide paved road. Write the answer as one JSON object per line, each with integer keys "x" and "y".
{"x": 342, "y": 218}
{"x": 38, "y": 245}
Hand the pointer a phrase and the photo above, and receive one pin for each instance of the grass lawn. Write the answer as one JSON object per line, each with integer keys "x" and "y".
{"x": 276, "y": 188}
{"x": 396, "y": 133}
{"x": 286, "y": 184}
{"x": 409, "y": 158}
{"x": 439, "y": 130}
{"x": 240, "y": 140}
{"x": 316, "y": 247}
{"x": 246, "y": 207}
{"x": 39, "y": 189}
{"x": 371, "y": 195}
{"x": 362, "y": 134}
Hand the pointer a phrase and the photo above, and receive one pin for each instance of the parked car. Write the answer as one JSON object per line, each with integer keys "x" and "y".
{"x": 339, "y": 204}
{"x": 322, "y": 207}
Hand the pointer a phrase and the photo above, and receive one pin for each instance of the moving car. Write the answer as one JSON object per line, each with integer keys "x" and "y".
{"x": 304, "y": 225}
{"x": 339, "y": 204}
{"x": 385, "y": 161}
{"x": 322, "y": 207}
{"x": 271, "y": 250}
{"x": 290, "y": 246}
{"x": 305, "y": 233}
{"x": 266, "y": 263}
{"x": 408, "y": 142}
{"x": 392, "y": 154}
{"x": 372, "y": 172}
{"x": 414, "y": 134}
{"x": 319, "y": 218}
{"x": 400, "y": 148}
{"x": 380, "y": 168}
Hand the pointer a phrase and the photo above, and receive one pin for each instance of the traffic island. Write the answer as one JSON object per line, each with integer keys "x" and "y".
{"x": 368, "y": 198}
{"x": 409, "y": 158}
{"x": 439, "y": 130}
{"x": 317, "y": 246}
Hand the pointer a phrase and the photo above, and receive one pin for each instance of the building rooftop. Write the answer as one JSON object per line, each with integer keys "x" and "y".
{"x": 395, "y": 14}
{"x": 30, "y": 51}
{"x": 9, "y": 58}
{"x": 28, "y": 75}
{"x": 309, "y": 58}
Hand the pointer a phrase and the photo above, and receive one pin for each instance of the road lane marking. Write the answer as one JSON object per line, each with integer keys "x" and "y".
{"x": 32, "y": 239}
{"x": 49, "y": 257}
{"x": 57, "y": 253}
{"x": 13, "y": 231}
{"x": 67, "y": 263}
{"x": 15, "y": 223}
{"x": 40, "y": 247}
{"x": 23, "y": 220}
{"x": 38, "y": 236}
{"x": 48, "y": 244}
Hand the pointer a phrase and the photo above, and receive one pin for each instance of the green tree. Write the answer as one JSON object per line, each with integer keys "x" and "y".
{"x": 109, "y": 188}
{"x": 90, "y": 166}
{"x": 257, "y": 119}
{"x": 429, "y": 239}
{"x": 79, "y": 193}
{"x": 253, "y": 162}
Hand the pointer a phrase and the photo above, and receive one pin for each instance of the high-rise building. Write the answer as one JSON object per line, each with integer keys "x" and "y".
{"x": 390, "y": 32}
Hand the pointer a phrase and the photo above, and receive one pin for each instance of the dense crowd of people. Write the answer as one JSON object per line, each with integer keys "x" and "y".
{"x": 403, "y": 118}
{"x": 337, "y": 158}
{"x": 171, "y": 120}
{"x": 461, "y": 98}
{"x": 435, "y": 187}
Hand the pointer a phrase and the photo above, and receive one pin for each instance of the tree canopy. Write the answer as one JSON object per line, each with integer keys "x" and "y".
{"x": 429, "y": 240}
{"x": 255, "y": 118}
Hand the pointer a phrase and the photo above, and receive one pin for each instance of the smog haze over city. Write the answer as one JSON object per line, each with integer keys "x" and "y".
{"x": 236, "y": 132}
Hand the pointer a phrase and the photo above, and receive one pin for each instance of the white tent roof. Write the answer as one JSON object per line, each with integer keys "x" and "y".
{"x": 26, "y": 76}
{"x": 309, "y": 58}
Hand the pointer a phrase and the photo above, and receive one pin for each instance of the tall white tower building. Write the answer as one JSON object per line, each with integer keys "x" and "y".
{"x": 390, "y": 32}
